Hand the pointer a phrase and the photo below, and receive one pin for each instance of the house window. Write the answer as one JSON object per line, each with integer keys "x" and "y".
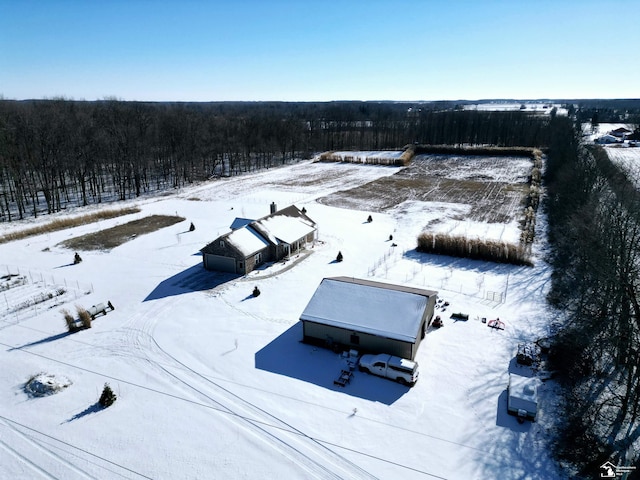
{"x": 258, "y": 258}
{"x": 240, "y": 266}
{"x": 355, "y": 339}
{"x": 221, "y": 243}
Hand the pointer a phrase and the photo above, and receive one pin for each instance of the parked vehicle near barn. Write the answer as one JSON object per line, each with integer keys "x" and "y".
{"x": 399, "y": 369}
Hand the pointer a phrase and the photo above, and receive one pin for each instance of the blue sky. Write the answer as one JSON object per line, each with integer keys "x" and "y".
{"x": 307, "y": 50}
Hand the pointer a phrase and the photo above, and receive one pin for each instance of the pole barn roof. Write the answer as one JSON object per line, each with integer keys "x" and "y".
{"x": 377, "y": 308}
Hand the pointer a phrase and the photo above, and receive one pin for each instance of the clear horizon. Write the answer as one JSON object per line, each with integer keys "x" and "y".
{"x": 409, "y": 50}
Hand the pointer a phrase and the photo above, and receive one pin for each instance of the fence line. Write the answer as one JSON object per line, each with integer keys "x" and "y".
{"x": 48, "y": 291}
{"x": 382, "y": 266}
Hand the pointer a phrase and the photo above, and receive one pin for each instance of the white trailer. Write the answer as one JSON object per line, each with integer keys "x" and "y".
{"x": 523, "y": 397}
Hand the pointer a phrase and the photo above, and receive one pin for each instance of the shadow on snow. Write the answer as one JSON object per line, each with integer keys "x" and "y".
{"x": 51, "y": 338}
{"x": 193, "y": 279}
{"x": 288, "y": 355}
{"x": 459, "y": 263}
{"x": 96, "y": 407}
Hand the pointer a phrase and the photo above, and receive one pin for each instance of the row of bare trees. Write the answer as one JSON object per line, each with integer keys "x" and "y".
{"x": 594, "y": 214}
{"x": 60, "y": 153}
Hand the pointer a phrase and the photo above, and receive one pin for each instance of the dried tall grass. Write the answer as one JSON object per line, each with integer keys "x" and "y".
{"x": 84, "y": 316}
{"x": 69, "y": 320}
{"x": 402, "y": 160}
{"x": 476, "y": 249}
{"x": 488, "y": 151}
{"x": 67, "y": 222}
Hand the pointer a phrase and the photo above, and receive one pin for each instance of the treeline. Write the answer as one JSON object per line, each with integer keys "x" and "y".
{"x": 594, "y": 219}
{"x": 606, "y": 111}
{"x": 59, "y": 153}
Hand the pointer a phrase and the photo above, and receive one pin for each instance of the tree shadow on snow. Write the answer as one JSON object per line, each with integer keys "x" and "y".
{"x": 522, "y": 370}
{"x": 503, "y": 419}
{"x": 193, "y": 279}
{"x": 51, "y": 338}
{"x": 287, "y": 355}
{"x": 87, "y": 411}
{"x": 458, "y": 263}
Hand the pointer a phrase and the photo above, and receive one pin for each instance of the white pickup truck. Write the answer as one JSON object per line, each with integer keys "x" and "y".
{"x": 396, "y": 368}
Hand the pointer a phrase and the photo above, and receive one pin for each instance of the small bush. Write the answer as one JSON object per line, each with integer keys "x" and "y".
{"x": 256, "y": 292}
{"x": 108, "y": 397}
{"x": 84, "y": 316}
{"x": 339, "y": 257}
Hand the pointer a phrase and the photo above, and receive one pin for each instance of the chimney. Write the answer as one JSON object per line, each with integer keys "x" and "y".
{"x": 273, "y": 208}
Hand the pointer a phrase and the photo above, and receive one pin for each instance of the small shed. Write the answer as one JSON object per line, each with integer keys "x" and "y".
{"x": 375, "y": 317}
{"x": 523, "y": 396}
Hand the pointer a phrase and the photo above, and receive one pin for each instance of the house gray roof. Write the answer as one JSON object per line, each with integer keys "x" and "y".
{"x": 376, "y": 308}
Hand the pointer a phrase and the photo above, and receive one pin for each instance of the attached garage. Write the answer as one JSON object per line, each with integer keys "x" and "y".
{"x": 219, "y": 263}
{"x": 375, "y": 317}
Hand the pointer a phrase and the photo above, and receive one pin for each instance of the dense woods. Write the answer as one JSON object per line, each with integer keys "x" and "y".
{"x": 594, "y": 216}
{"x": 59, "y": 153}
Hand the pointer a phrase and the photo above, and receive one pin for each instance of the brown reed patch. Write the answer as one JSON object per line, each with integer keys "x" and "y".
{"x": 67, "y": 222}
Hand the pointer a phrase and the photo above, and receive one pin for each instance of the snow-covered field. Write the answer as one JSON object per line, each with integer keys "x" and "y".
{"x": 214, "y": 383}
{"x": 539, "y": 107}
{"x": 628, "y": 158}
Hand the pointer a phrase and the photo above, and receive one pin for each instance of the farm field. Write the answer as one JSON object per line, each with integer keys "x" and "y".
{"x": 629, "y": 159}
{"x": 212, "y": 383}
{"x": 485, "y": 194}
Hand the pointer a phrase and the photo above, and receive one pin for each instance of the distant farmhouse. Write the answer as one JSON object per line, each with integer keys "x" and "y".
{"x": 252, "y": 243}
{"x": 620, "y": 132}
{"x": 375, "y": 317}
{"x": 619, "y": 135}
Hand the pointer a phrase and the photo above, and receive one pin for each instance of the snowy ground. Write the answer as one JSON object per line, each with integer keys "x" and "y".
{"x": 213, "y": 383}
{"x": 628, "y": 158}
{"x": 539, "y": 107}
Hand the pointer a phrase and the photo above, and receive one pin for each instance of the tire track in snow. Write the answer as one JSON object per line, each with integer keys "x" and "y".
{"x": 305, "y": 451}
{"x": 25, "y": 460}
{"x": 76, "y": 451}
{"x": 46, "y": 451}
{"x": 259, "y": 416}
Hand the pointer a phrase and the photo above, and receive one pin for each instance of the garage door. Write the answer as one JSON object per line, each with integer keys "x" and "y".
{"x": 219, "y": 263}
